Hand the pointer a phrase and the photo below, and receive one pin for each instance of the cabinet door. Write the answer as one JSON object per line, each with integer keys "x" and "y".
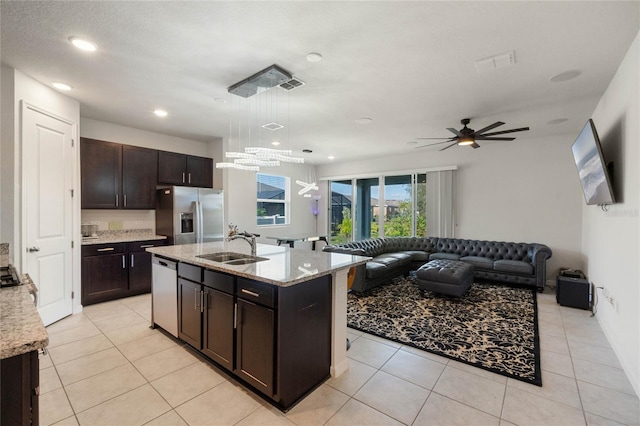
{"x": 217, "y": 334}
{"x": 139, "y": 272}
{"x": 199, "y": 171}
{"x": 139, "y": 177}
{"x": 172, "y": 168}
{"x": 189, "y": 312}
{"x": 104, "y": 278}
{"x": 100, "y": 170}
{"x": 255, "y": 345}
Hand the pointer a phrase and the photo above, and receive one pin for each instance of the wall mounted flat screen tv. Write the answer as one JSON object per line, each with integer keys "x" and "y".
{"x": 592, "y": 169}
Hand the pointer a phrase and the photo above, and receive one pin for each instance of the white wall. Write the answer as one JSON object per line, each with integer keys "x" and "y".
{"x": 525, "y": 190}
{"x": 241, "y": 208}
{"x": 611, "y": 239}
{"x": 16, "y": 88}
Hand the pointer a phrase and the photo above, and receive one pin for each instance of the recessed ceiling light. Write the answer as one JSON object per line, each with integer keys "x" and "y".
{"x": 275, "y": 143}
{"x": 557, "y": 121}
{"x": 565, "y": 76}
{"x": 61, "y": 86}
{"x": 314, "y": 57}
{"x": 83, "y": 44}
{"x": 364, "y": 120}
{"x": 160, "y": 113}
{"x": 331, "y": 157}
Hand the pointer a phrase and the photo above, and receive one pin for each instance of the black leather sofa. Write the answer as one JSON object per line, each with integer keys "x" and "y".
{"x": 513, "y": 263}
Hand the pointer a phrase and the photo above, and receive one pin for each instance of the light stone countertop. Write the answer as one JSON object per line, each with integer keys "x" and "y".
{"x": 21, "y": 328}
{"x": 123, "y": 236}
{"x": 285, "y": 267}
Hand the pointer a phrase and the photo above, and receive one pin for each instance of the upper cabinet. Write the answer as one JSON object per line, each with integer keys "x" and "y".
{"x": 139, "y": 177}
{"x": 185, "y": 170}
{"x": 116, "y": 176}
{"x": 101, "y": 174}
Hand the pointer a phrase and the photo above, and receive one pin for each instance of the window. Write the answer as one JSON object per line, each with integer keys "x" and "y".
{"x": 392, "y": 206}
{"x": 272, "y": 199}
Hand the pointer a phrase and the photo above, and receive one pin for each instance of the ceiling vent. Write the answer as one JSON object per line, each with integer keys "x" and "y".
{"x": 498, "y": 61}
{"x": 294, "y": 83}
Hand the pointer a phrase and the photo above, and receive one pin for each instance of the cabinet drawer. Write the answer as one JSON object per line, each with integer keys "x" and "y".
{"x": 100, "y": 249}
{"x": 143, "y": 245}
{"x": 190, "y": 272}
{"x": 222, "y": 282}
{"x": 257, "y": 292}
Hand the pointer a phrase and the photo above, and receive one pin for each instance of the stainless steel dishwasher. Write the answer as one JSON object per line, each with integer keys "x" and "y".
{"x": 164, "y": 292}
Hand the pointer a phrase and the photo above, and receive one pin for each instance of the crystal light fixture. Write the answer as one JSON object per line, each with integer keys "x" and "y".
{"x": 249, "y": 115}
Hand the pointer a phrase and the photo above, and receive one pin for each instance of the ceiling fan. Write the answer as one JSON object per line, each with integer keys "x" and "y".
{"x": 467, "y": 136}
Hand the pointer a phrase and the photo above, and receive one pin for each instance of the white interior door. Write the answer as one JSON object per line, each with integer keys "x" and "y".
{"x": 48, "y": 229}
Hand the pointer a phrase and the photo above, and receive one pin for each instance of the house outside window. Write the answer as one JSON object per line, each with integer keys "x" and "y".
{"x": 272, "y": 199}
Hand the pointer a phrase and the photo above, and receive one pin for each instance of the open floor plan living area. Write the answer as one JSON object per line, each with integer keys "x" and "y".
{"x": 320, "y": 213}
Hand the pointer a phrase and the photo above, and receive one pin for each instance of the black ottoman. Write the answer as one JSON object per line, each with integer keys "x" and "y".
{"x": 448, "y": 277}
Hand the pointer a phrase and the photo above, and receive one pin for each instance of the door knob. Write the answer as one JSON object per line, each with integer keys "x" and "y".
{"x": 33, "y": 249}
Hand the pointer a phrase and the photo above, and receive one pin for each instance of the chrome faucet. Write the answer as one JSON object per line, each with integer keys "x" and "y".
{"x": 247, "y": 236}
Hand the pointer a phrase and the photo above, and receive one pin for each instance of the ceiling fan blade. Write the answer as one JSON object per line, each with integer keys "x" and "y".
{"x": 521, "y": 129}
{"x": 448, "y": 137}
{"x": 447, "y": 147}
{"x": 437, "y": 143}
{"x": 489, "y": 127}
{"x": 454, "y": 131}
{"x": 474, "y": 145}
{"x": 483, "y": 138}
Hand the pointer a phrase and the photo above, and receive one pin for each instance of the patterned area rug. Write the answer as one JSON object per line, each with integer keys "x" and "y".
{"x": 493, "y": 327}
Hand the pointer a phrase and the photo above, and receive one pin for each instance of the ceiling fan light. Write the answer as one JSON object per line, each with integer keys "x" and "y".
{"x": 466, "y": 140}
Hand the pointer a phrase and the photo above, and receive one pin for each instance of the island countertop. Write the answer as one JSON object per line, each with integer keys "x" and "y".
{"x": 284, "y": 267}
{"x": 21, "y": 329}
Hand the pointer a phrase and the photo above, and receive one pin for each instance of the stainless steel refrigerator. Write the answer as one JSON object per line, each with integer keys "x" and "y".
{"x": 190, "y": 215}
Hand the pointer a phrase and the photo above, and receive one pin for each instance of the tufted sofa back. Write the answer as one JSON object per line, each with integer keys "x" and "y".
{"x": 396, "y": 244}
{"x": 494, "y": 250}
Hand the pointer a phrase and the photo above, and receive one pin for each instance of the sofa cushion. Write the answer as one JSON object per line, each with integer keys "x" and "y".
{"x": 417, "y": 255}
{"x": 513, "y": 266}
{"x": 444, "y": 256}
{"x": 389, "y": 261}
{"x": 478, "y": 262}
{"x": 400, "y": 256}
{"x": 375, "y": 270}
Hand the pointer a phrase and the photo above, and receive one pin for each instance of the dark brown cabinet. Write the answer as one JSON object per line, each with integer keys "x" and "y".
{"x": 139, "y": 177}
{"x": 116, "y": 176}
{"x": 19, "y": 390}
{"x": 101, "y": 173}
{"x": 184, "y": 170}
{"x": 114, "y": 271}
{"x": 104, "y": 272}
{"x": 275, "y": 339}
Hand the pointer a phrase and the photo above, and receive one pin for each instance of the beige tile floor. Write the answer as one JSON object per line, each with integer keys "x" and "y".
{"x": 106, "y": 367}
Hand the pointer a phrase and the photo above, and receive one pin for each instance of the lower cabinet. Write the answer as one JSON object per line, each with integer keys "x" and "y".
{"x": 19, "y": 389}
{"x": 114, "y": 271}
{"x": 275, "y": 339}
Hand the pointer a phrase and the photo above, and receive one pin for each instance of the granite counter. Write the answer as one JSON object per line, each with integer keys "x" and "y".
{"x": 285, "y": 266}
{"x": 21, "y": 328}
{"x": 122, "y": 236}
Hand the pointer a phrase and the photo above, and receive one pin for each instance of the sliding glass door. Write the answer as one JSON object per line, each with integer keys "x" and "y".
{"x": 385, "y": 206}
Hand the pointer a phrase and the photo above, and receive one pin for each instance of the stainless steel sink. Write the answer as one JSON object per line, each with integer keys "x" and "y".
{"x": 246, "y": 261}
{"x": 232, "y": 258}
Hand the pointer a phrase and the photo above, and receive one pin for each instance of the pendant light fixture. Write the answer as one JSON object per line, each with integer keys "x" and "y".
{"x": 259, "y": 112}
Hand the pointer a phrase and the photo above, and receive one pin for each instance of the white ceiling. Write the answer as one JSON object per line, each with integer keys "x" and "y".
{"x": 407, "y": 65}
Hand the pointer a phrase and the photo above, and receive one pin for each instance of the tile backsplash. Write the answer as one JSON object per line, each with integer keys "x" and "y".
{"x": 120, "y": 219}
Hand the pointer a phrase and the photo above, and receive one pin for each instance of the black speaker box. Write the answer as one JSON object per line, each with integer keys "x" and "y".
{"x": 573, "y": 292}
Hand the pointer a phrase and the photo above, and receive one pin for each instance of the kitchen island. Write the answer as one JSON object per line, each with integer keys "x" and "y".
{"x": 278, "y": 324}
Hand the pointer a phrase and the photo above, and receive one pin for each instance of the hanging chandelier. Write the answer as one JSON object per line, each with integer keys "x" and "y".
{"x": 252, "y": 116}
